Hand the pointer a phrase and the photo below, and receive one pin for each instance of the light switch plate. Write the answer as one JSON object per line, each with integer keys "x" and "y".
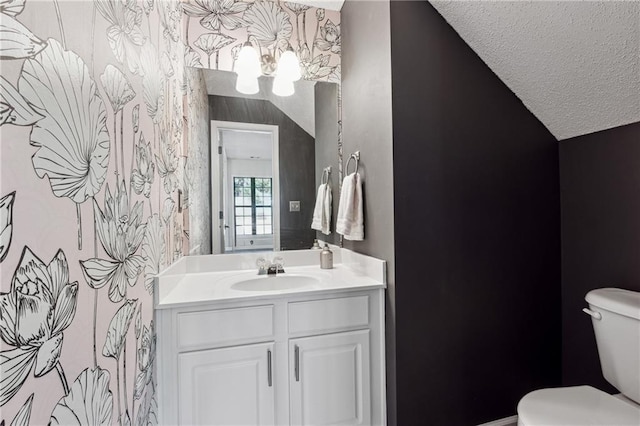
{"x": 294, "y": 206}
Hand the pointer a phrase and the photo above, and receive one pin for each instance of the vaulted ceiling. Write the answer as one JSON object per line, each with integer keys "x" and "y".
{"x": 574, "y": 64}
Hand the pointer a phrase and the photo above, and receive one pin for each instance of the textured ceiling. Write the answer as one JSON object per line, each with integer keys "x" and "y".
{"x": 574, "y": 64}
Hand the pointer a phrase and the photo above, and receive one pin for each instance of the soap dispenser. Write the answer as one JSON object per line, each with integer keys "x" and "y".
{"x": 316, "y": 246}
{"x": 326, "y": 258}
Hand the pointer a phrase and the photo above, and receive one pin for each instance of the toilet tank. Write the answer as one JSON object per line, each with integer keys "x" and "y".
{"x": 617, "y": 331}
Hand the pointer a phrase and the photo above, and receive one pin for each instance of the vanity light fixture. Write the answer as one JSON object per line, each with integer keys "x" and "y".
{"x": 250, "y": 65}
{"x": 248, "y": 69}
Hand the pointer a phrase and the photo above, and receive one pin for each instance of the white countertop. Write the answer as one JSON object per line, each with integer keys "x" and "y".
{"x": 202, "y": 279}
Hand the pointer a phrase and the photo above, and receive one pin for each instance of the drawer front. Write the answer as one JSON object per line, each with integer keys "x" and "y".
{"x": 224, "y": 327}
{"x": 327, "y": 315}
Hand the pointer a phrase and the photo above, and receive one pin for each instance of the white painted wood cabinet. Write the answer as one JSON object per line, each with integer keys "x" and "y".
{"x": 229, "y": 386}
{"x": 286, "y": 360}
{"x": 331, "y": 380}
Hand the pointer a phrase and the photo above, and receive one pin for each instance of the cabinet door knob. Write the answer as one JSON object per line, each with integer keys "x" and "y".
{"x": 269, "y": 373}
{"x": 297, "y": 362}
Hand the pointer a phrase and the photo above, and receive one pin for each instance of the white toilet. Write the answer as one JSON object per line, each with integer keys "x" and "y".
{"x": 616, "y": 321}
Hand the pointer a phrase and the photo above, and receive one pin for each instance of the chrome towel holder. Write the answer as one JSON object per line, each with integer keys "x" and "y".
{"x": 325, "y": 172}
{"x": 354, "y": 156}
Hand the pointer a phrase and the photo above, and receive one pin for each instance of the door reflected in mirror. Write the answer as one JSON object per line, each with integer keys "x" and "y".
{"x": 245, "y": 187}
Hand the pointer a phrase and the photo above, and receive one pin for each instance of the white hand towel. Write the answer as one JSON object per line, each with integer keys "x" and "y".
{"x": 350, "y": 222}
{"x": 322, "y": 211}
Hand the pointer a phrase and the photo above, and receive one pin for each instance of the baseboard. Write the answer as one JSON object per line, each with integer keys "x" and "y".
{"x": 507, "y": 421}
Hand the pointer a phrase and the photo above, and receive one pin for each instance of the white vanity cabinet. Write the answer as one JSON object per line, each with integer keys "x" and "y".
{"x": 228, "y": 386}
{"x": 290, "y": 359}
{"x": 331, "y": 380}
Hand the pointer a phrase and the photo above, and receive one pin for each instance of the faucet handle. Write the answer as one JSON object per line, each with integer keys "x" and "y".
{"x": 278, "y": 262}
{"x": 261, "y": 263}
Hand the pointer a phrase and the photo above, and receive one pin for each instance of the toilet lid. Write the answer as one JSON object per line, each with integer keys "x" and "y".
{"x": 579, "y": 406}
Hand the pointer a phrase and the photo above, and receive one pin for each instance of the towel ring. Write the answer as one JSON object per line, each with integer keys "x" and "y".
{"x": 354, "y": 156}
{"x": 326, "y": 172}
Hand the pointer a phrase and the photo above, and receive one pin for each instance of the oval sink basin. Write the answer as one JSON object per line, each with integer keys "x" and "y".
{"x": 276, "y": 283}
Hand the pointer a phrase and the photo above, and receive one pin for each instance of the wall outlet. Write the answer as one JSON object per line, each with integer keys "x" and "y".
{"x": 294, "y": 206}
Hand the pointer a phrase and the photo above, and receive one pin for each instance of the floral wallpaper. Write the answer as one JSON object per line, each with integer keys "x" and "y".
{"x": 91, "y": 148}
{"x": 217, "y": 29}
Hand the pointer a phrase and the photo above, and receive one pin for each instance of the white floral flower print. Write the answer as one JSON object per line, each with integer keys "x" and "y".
{"x": 72, "y": 138}
{"x": 170, "y": 12}
{"x": 314, "y": 68}
{"x": 211, "y": 43}
{"x": 16, "y": 41}
{"x": 336, "y": 77}
{"x": 118, "y": 328}
{"x": 268, "y": 22}
{"x": 144, "y": 173}
{"x": 153, "y": 82}
{"x": 12, "y": 7}
{"x": 168, "y": 209}
{"x": 168, "y": 163}
{"x": 6, "y": 223}
{"x": 297, "y": 8}
{"x": 14, "y": 109}
{"x": 148, "y": 6}
{"x": 217, "y": 13}
{"x": 125, "y": 35}
{"x": 148, "y": 414}
{"x": 191, "y": 58}
{"x": 167, "y": 67}
{"x": 153, "y": 250}
{"x": 330, "y": 38}
{"x": 138, "y": 323}
{"x": 146, "y": 359}
{"x": 117, "y": 87}
{"x": 120, "y": 231}
{"x": 33, "y": 316}
{"x": 113, "y": 346}
{"x": 89, "y": 402}
{"x": 24, "y": 415}
{"x": 135, "y": 118}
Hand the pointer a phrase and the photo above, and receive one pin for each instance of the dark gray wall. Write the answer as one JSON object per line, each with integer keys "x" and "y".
{"x": 297, "y": 163}
{"x": 600, "y": 191}
{"x": 367, "y": 127}
{"x": 326, "y": 125}
{"x": 477, "y": 232}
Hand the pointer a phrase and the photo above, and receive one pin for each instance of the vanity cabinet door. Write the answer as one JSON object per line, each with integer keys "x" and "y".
{"x": 329, "y": 379}
{"x": 230, "y": 386}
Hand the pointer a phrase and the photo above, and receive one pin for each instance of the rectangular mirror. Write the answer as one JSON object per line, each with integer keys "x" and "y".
{"x": 264, "y": 157}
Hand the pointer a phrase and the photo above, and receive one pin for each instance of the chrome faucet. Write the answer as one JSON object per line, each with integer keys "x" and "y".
{"x": 275, "y": 267}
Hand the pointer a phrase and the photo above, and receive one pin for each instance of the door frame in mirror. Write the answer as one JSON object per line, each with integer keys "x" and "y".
{"x": 217, "y": 243}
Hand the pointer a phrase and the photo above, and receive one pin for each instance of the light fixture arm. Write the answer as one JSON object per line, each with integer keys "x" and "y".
{"x": 256, "y": 42}
{"x": 267, "y": 60}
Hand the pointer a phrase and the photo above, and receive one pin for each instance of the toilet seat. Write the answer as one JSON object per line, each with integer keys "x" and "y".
{"x": 578, "y": 406}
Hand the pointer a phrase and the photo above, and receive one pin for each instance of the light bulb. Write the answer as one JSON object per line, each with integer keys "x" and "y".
{"x": 289, "y": 66}
{"x": 248, "y": 62}
{"x": 282, "y": 86}
{"x": 247, "y": 85}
